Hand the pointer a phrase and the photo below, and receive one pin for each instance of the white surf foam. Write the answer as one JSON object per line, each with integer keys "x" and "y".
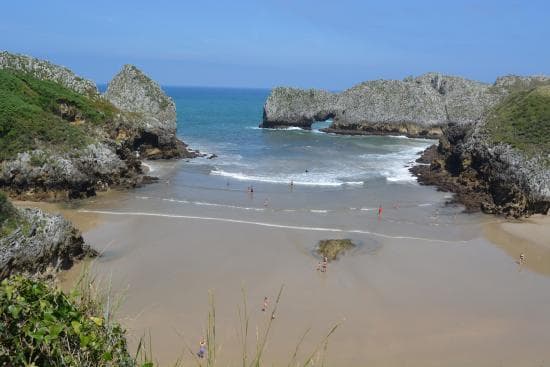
{"x": 289, "y": 128}
{"x": 278, "y": 180}
{"x": 265, "y": 224}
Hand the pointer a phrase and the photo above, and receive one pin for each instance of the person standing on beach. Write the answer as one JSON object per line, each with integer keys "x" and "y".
{"x": 380, "y": 211}
{"x": 202, "y": 349}
{"x": 324, "y": 265}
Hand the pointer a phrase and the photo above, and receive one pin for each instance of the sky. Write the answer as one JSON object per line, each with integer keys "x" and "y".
{"x": 266, "y": 43}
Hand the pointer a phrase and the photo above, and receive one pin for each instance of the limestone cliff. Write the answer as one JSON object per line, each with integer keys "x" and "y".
{"x": 500, "y": 164}
{"x": 418, "y": 106}
{"x": 152, "y": 112}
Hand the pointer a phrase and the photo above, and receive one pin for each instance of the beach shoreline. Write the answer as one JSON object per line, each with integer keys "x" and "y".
{"x": 397, "y": 294}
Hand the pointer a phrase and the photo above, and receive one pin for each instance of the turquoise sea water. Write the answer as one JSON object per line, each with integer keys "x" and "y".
{"x": 224, "y": 121}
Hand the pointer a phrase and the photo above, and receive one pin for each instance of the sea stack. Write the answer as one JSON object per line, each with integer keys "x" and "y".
{"x": 134, "y": 92}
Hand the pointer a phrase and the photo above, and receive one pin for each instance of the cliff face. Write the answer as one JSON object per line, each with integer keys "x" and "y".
{"x": 65, "y": 140}
{"x": 414, "y": 106}
{"x": 40, "y": 241}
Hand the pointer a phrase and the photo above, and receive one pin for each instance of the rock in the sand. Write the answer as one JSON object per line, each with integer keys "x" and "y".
{"x": 334, "y": 248}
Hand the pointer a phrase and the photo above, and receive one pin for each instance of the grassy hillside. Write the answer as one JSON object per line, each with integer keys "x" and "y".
{"x": 523, "y": 121}
{"x": 36, "y": 113}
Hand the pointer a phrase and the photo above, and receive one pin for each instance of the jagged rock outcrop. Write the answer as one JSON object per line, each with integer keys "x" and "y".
{"x": 153, "y": 112}
{"x": 44, "y": 175}
{"x": 47, "y": 71}
{"x": 489, "y": 170}
{"x": 41, "y": 241}
{"x": 414, "y": 106}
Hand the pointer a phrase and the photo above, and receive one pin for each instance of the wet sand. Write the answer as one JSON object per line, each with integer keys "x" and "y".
{"x": 70, "y": 210}
{"x": 425, "y": 288}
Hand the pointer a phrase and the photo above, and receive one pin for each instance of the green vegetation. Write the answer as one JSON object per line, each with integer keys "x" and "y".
{"x": 37, "y": 113}
{"x": 41, "y": 326}
{"x": 523, "y": 121}
{"x": 10, "y": 218}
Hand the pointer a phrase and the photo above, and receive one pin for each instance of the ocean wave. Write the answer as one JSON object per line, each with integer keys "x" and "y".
{"x": 354, "y": 183}
{"x": 289, "y": 128}
{"x": 276, "y": 180}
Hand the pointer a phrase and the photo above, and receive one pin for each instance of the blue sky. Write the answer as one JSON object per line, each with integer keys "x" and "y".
{"x": 263, "y": 43}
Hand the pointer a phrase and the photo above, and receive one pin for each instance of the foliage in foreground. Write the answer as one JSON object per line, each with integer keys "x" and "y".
{"x": 38, "y": 113}
{"x": 41, "y": 326}
{"x": 523, "y": 121}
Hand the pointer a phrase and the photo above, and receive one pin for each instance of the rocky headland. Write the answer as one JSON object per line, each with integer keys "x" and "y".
{"x": 494, "y": 148}
{"x": 415, "y": 107}
{"x": 62, "y": 139}
{"x": 500, "y": 164}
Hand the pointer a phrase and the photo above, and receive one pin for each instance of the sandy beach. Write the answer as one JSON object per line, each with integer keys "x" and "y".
{"x": 428, "y": 285}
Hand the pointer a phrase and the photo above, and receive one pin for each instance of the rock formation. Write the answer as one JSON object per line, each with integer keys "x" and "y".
{"x": 491, "y": 171}
{"x": 153, "y": 112}
{"x": 332, "y": 249}
{"x": 39, "y": 242}
{"x": 414, "y": 106}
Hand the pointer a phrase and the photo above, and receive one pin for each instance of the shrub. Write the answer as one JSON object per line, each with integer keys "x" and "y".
{"x": 41, "y": 326}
